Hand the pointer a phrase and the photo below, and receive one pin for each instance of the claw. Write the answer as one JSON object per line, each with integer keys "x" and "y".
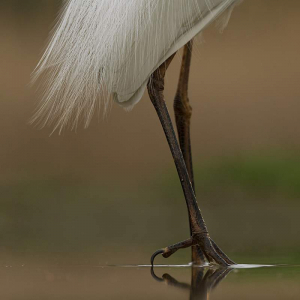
{"x": 209, "y": 248}
{"x": 155, "y": 276}
{"x": 160, "y": 251}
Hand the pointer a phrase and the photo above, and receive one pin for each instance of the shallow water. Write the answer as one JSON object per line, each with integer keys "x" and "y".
{"x": 140, "y": 282}
{"x": 102, "y": 193}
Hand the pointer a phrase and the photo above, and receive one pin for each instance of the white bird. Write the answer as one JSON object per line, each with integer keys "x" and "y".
{"x": 113, "y": 49}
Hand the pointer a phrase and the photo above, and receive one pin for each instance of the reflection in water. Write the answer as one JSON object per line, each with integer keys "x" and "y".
{"x": 204, "y": 280}
{"x": 64, "y": 279}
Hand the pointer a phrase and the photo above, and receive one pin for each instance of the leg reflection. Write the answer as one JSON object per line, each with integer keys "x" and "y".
{"x": 204, "y": 280}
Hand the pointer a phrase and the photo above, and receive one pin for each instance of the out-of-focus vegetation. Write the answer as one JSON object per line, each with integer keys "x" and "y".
{"x": 255, "y": 175}
{"x": 250, "y": 205}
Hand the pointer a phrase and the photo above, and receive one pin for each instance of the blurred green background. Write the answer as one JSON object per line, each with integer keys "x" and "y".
{"x": 110, "y": 193}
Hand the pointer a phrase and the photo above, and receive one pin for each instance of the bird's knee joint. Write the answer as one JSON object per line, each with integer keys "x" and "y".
{"x": 183, "y": 108}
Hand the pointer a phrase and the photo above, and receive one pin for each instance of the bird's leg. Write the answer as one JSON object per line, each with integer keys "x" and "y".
{"x": 183, "y": 110}
{"x": 183, "y": 113}
{"x": 199, "y": 235}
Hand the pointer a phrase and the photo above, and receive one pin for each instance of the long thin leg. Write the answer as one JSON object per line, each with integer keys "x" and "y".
{"x": 200, "y": 234}
{"x": 183, "y": 113}
{"x": 183, "y": 110}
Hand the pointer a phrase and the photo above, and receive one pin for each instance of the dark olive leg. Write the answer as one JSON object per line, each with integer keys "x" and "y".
{"x": 199, "y": 234}
{"x": 183, "y": 110}
{"x": 183, "y": 113}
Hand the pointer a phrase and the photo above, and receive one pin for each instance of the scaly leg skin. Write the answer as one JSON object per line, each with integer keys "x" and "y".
{"x": 199, "y": 234}
{"x": 183, "y": 113}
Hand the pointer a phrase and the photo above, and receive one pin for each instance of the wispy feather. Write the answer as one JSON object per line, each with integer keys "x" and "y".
{"x": 103, "y": 49}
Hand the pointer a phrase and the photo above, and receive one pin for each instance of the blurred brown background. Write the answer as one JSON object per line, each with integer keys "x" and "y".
{"x": 112, "y": 189}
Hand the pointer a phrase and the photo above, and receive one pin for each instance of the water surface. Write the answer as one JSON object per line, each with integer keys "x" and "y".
{"x": 141, "y": 282}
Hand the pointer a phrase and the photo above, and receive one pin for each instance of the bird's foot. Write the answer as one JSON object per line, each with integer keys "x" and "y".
{"x": 210, "y": 249}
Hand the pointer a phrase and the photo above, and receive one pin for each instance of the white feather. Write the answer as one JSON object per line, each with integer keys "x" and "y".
{"x": 104, "y": 49}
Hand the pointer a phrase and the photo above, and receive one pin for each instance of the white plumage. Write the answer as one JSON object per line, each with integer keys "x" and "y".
{"x": 104, "y": 49}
